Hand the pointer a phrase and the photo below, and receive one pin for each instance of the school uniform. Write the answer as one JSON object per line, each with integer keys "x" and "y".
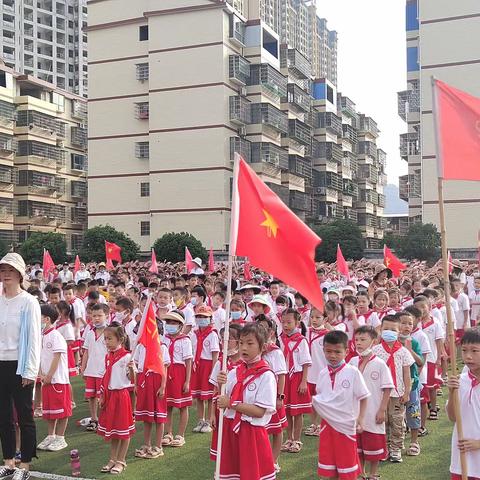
{"x": 315, "y": 345}
{"x": 474, "y": 298}
{"x": 423, "y": 342}
{"x": 189, "y": 315}
{"x": 94, "y": 343}
{"x": 116, "y": 416}
{"x": 219, "y": 318}
{"x": 295, "y": 349}
{"x": 370, "y": 318}
{"x": 339, "y": 392}
{"x": 130, "y": 328}
{"x": 246, "y": 450}
{"x": 433, "y": 330}
{"x": 65, "y": 328}
{"x": 179, "y": 350}
{"x": 463, "y": 306}
{"x": 349, "y": 328}
{"x": 78, "y": 308}
{"x": 372, "y": 442}
{"x": 205, "y": 342}
{"x": 56, "y": 396}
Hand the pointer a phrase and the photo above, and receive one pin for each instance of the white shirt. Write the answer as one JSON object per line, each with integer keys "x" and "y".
{"x": 370, "y": 318}
{"x": 139, "y": 356}
{"x": 197, "y": 271}
{"x": 276, "y": 360}
{"x": 301, "y": 355}
{"x": 189, "y": 315}
{"x": 119, "y": 379}
{"x": 377, "y": 377}
{"x": 182, "y": 350}
{"x": 96, "y": 354}
{"x": 52, "y": 343}
{"x": 340, "y": 405}
{"x": 434, "y": 332}
{"x": 79, "y": 309}
{"x": 424, "y": 343}
{"x": 66, "y": 330}
{"x": 474, "y": 298}
{"x": 65, "y": 276}
{"x": 210, "y": 344}
{"x": 219, "y": 316}
{"x": 315, "y": 340}
{"x": 132, "y": 336}
{"x": 105, "y": 276}
{"x": 349, "y": 329}
{"x": 463, "y": 306}
{"x": 82, "y": 275}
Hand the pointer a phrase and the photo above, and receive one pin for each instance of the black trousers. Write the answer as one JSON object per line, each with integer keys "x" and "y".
{"x": 13, "y": 394}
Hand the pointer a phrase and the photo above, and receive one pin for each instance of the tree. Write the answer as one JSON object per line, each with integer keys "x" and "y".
{"x": 343, "y": 232}
{"x": 32, "y": 248}
{"x": 422, "y": 242}
{"x": 171, "y": 247}
{"x": 94, "y": 244}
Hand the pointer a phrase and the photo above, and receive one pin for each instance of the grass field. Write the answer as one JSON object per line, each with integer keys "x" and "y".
{"x": 192, "y": 462}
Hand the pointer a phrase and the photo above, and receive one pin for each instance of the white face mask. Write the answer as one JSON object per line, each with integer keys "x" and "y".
{"x": 365, "y": 353}
{"x": 121, "y": 316}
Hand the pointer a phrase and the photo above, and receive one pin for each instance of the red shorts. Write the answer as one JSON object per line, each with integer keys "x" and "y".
{"x": 246, "y": 455}
{"x": 116, "y": 418}
{"x": 92, "y": 387}
{"x": 175, "y": 381}
{"x": 76, "y": 345}
{"x": 434, "y": 380}
{"x": 56, "y": 401}
{"x": 312, "y": 388}
{"x": 278, "y": 423}
{"x": 456, "y": 476}
{"x": 72, "y": 366}
{"x": 424, "y": 395}
{"x": 337, "y": 454}
{"x": 296, "y": 404}
{"x": 372, "y": 446}
{"x": 200, "y": 384}
{"x": 149, "y": 408}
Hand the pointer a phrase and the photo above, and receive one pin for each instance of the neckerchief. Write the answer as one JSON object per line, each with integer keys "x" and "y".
{"x": 46, "y": 332}
{"x": 315, "y": 335}
{"x": 171, "y": 347}
{"x": 72, "y": 301}
{"x": 428, "y": 324}
{"x": 287, "y": 351}
{"x": 474, "y": 382}
{"x": 391, "y": 358}
{"x": 362, "y": 363}
{"x": 333, "y": 372}
{"x": 270, "y": 347}
{"x": 110, "y": 359}
{"x": 201, "y": 336}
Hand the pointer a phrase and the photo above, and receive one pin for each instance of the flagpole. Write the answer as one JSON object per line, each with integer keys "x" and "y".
{"x": 226, "y": 332}
{"x": 453, "y": 397}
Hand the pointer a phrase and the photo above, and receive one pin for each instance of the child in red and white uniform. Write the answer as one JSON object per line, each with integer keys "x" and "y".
{"x": 123, "y": 315}
{"x": 303, "y": 308}
{"x": 219, "y": 314}
{"x": 79, "y": 314}
{"x": 151, "y": 402}
{"x": 237, "y": 312}
{"x": 341, "y": 402}
{"x": 334, "y": 317}
{"x": 315, "y": 335}
{"x": 275, "y": 358}
{"x": 115, "y": 422}
{"x": 64, "y": 326}
{"x": 180, "y": 295}
{"x": 372, "y": 441}
{"x": 468, "y": 386}
{"x": 57, "y": 401}
{"x": 405, "y": 294}
{"x": 297, "y": 396}
{"x": 365, "y": 313}
{"x": 462, "y": 316}
{"x": 206, "y": 347}
{"x": 93, "y": 360}
{"x": 179, "y": 374}
{"x": 249, "y": 403}
{"x": 394, "y": 302}
{"x": 352, "y": 322}
{"x": 474, "y": 298}
{"x": 381, "y": 300}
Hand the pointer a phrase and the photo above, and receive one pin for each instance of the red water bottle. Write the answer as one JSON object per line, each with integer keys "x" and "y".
{"x": 75, "y": 463}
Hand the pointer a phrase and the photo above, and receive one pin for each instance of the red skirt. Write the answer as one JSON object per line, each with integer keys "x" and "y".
{"x": 278, "y": 423}
{"x": 200, "y": 385}
{"x": 214, "y": 442}
{"x": 246, "y": 455}
{"x": 175, "y": 381}
{"x": 56, "y": 401}
{"x": 116, "y": 418}
{"x": 72, "y": 366}
{"x": 296, "y": 404}
{"x": 149, "y": 408}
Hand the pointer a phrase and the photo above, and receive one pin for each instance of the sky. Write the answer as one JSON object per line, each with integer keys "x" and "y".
{"x": 372, "y": 65}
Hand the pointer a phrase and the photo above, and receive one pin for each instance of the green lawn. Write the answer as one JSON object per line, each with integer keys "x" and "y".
{"x": 192, "y": 461}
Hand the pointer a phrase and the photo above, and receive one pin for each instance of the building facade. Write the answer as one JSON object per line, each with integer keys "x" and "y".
{"x": 43, "y": 161}
{"x": 441, "y": 42}
{"x": 47, "y": 39}
{"x": 178, "y": 89}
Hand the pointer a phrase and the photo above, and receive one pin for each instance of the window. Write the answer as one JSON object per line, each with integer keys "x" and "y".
{"x": 142, "y": 150}
{"x": 144, "y": 228}
{"x": 142, "y": 110}
{"x": 142, "y": 71}
{"x": 144, "y": 189}
{"x": 143, "y": 33}
{"x": 79, "y": 162}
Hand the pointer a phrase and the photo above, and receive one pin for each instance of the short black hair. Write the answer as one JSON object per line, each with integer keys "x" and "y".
{"x": 350, "y": 299}
{"x": 49, "y": 311}
{"x": 336, "y": 337}
{"x": 200, "y": 292}
{"x": 471, "y": 336}
{"x": 412, "y": 310}
{"x": 368, "y": 329}
{"x": 390, "y": 318}
{"x": 420, "y": 298}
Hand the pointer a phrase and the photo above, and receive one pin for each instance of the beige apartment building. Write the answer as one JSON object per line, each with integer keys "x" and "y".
{"x": 442, "y": 40}
{"x": 177, "y": 87}
{"x": 43, "y": 162}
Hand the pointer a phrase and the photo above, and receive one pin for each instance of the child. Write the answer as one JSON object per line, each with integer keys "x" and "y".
{"x": 334, "y": 317}
{"x": 350, "y": 319}
{"x": 281, "y": 304}
{"x": 257, "y": 306}
{"x": 365, "y": 313}
{"x": 399, "y": 360}
{"x": 123, "y": 316}
{"x": 315, "y": 336}
{"x": 115, "y": 422}
{"x": 180, "y": 295}
{"x": 93, "y": 360}
{"x": 57, "y": 400}
{"x": 297, "y": 396}
{"x": 468, "y": 388}
{"x": 65, "y": 326}
{"x": 341, "y": 402}
{"x": 219, "y": 314}
{"x": 372, "y": 443}
{"x": 206, "y": 347}
{"x": 380, "y": 303}
{"x": 77, "y": 304}
{"x": 151, "y": 403}
{"x": 303, "y": 308}
{"x": 394, "y": 299}
{"x": 178, "y": 380}
{"x": 462, "y": 315}
{"x": 406, "y": 298}
{"x": 237, "y": 312}
{"x": 249, "y": 402}
{"x": 474, "y": 299}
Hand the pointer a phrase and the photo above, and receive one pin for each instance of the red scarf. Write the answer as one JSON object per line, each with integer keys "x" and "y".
{"x": 61, "y": 324}
{"x": 287, "y": 351}
{"x": 428, "y": 324}
{"x": 201, "y": 336}
{"x": 333, "y": 372}
{"x": 171, "y": 347}
{"x": 72, "y": 301}
{"x": 230, "y": 365}
{"x": 362, "y": 364}
{"x": 302, "y": 310}
{"x": 270, "y": 347}
{"x": 417, "y": 329}
{"x": 391, "y": 359}
{"x": 475, "y": 381}
{"x": 315, "y": 335}
{"x": 46, "y": 332}
{"x": 110, "y": 359}
{"x": 243, "y": 373}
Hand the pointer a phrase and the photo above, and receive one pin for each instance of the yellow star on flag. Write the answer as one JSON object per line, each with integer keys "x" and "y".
{"x": 387, "y": 262}
{"x": 270, "y": 223}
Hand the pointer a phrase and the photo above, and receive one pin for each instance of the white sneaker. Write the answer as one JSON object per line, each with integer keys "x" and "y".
{"x": 199, "y": 426}
{"x": 206, "y": 428}
{"x": 58, "y": 444}
{"x": 43, "y": 445}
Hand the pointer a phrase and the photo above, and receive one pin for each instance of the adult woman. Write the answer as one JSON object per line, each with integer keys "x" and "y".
{"x": 380, "y": 279}
{"x": 20, "y": 342}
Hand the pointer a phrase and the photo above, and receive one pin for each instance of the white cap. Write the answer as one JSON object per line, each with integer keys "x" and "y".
{"x": 16, "y": 261}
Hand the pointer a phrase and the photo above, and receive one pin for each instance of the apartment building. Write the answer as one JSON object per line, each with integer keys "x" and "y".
{"x": 175, "y": 91}
{"x": 441, "y": 42}
{"x": 43, "y": 160}
{"x": 46, "y": 39}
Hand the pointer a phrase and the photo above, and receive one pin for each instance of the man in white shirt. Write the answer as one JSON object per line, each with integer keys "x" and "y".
{"x": 82, "y": 274}
{"x": 65, "y": 275}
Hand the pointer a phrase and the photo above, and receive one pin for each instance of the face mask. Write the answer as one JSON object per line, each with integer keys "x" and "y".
{"x": 101, "y": 325}
{"x": 337, "y": 365}
{"x": 236, "y": 315}
{"x": 203, "y": 322}
{"x": 365, "y": 353}
{"x": 120, "y": 316}
{"x": 389, "y": 336}
{"x": 194, "y": 301}
{"x": 171, "y": 329}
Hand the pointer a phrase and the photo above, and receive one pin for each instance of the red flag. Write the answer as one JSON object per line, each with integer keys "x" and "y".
{"x": 112, "y": 252}
{"x": 272, "y": 236}
{"x": 109, "y": 265}
{"x": 154, "y": 266}
{"x": 342, "y": 265}
{"x": 76, "y": 266}
{"x": 450, "y": 262}
{"x": 150, "y": 339}
{"x": 458, "y": 120}
{"x": 48, "y": 264}
{"x": 188, "y": 260}
{"x": 211, "y": 261}
{"x": 392, "y": 262}
{"x": 247, "y": 274}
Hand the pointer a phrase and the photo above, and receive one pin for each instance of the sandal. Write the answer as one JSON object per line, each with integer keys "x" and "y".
{"x": 118, "y": 468}
{"x": 422, "y": 432}
{"x": 142, "y": 451}
{"x": 286, "y": 446}
{"x": 108, "y": 466}
{"x": 310, "y": 431}
{"x": 296, "y": 447}
{"x": 92, "y": 426}
{"x": 167, "y": 440}
{"x": 178, "y": 441}
{"x": 413, "y": 450}
{"x": 154, "y": 452}
{"x": 433, "y": 415}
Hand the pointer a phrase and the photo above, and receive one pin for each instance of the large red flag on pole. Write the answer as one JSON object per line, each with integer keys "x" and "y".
{"x": 154, "y": 266}
{"x": 342, "y": 265}
{"x": 392, "y": 262}
{"x": 48, "y": 264}
{"x": 211, "y": 261}
{"x": 189, "y": 265}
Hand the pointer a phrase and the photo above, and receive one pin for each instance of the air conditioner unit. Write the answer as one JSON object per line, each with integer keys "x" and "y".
{"x": 242, "y": 131}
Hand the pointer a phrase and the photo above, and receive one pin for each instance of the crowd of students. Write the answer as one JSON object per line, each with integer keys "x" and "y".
{"x": 362, "y": 373}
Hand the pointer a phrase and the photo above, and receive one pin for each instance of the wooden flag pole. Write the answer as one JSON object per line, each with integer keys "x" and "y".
{"x": 453, "y": 397}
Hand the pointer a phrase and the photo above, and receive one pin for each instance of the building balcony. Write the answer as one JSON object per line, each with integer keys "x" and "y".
{"x": 40, "y": 153}
{"x": 347, "y": 107}
{"x": 403, "y": 187}
{"x": 8, "y": 144}
{"x": 328, "y": 121}
{"x": 297, "y": 97}
{"x": 298, "y": 201}
{"x": 408, "y": 103}
{"x": 239, "y": 110}
{"x": 281, "y": 191}
{"x": 367, "y": 172}
{"x": 6, "y": 210}
{"x": 78, "y": 163}
{"x": 367, "y": 126}
{"x": 242, "y": 147}
{"x": 239, "y": 69}
{"x": 350, "y": 214}
{"x": 79, "y": 137}
{"x": 409, "y": 144}
{"x": 79, "y": 109}
{"x": 41, "y": 124}
{"x": 347, "y": 201}
{"x": 349, "y": 133}
{"x": 327, "y": 151}
{"x": 367, "y": 148}
{"x": 410, "y": 186}
{"x": 382, "y": 158}
{"x": 40, "y": 213}
{"x": 292, "y": 59}
{"x": 300, "y": 166}
{"x": 79, "y": 215}
{"x": 7, "y": 178}
{"x": 264, "y": 152}
{"x": 381, "y": 200}
{"x": 271, "y": 81}
{"x": 350, "y": 188}
{"x": 369, "y": 196}
{"x": 7, "y": 114}
{"x": 327, "y": 179}
{"x": 237, "y": 29}
{"x": 367, "y": 220}
{"x": 270, "y": 116}
{"x": 299, "y": 131}
{"x": 382, "y": 223}
{"x": 78, "y": 190}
